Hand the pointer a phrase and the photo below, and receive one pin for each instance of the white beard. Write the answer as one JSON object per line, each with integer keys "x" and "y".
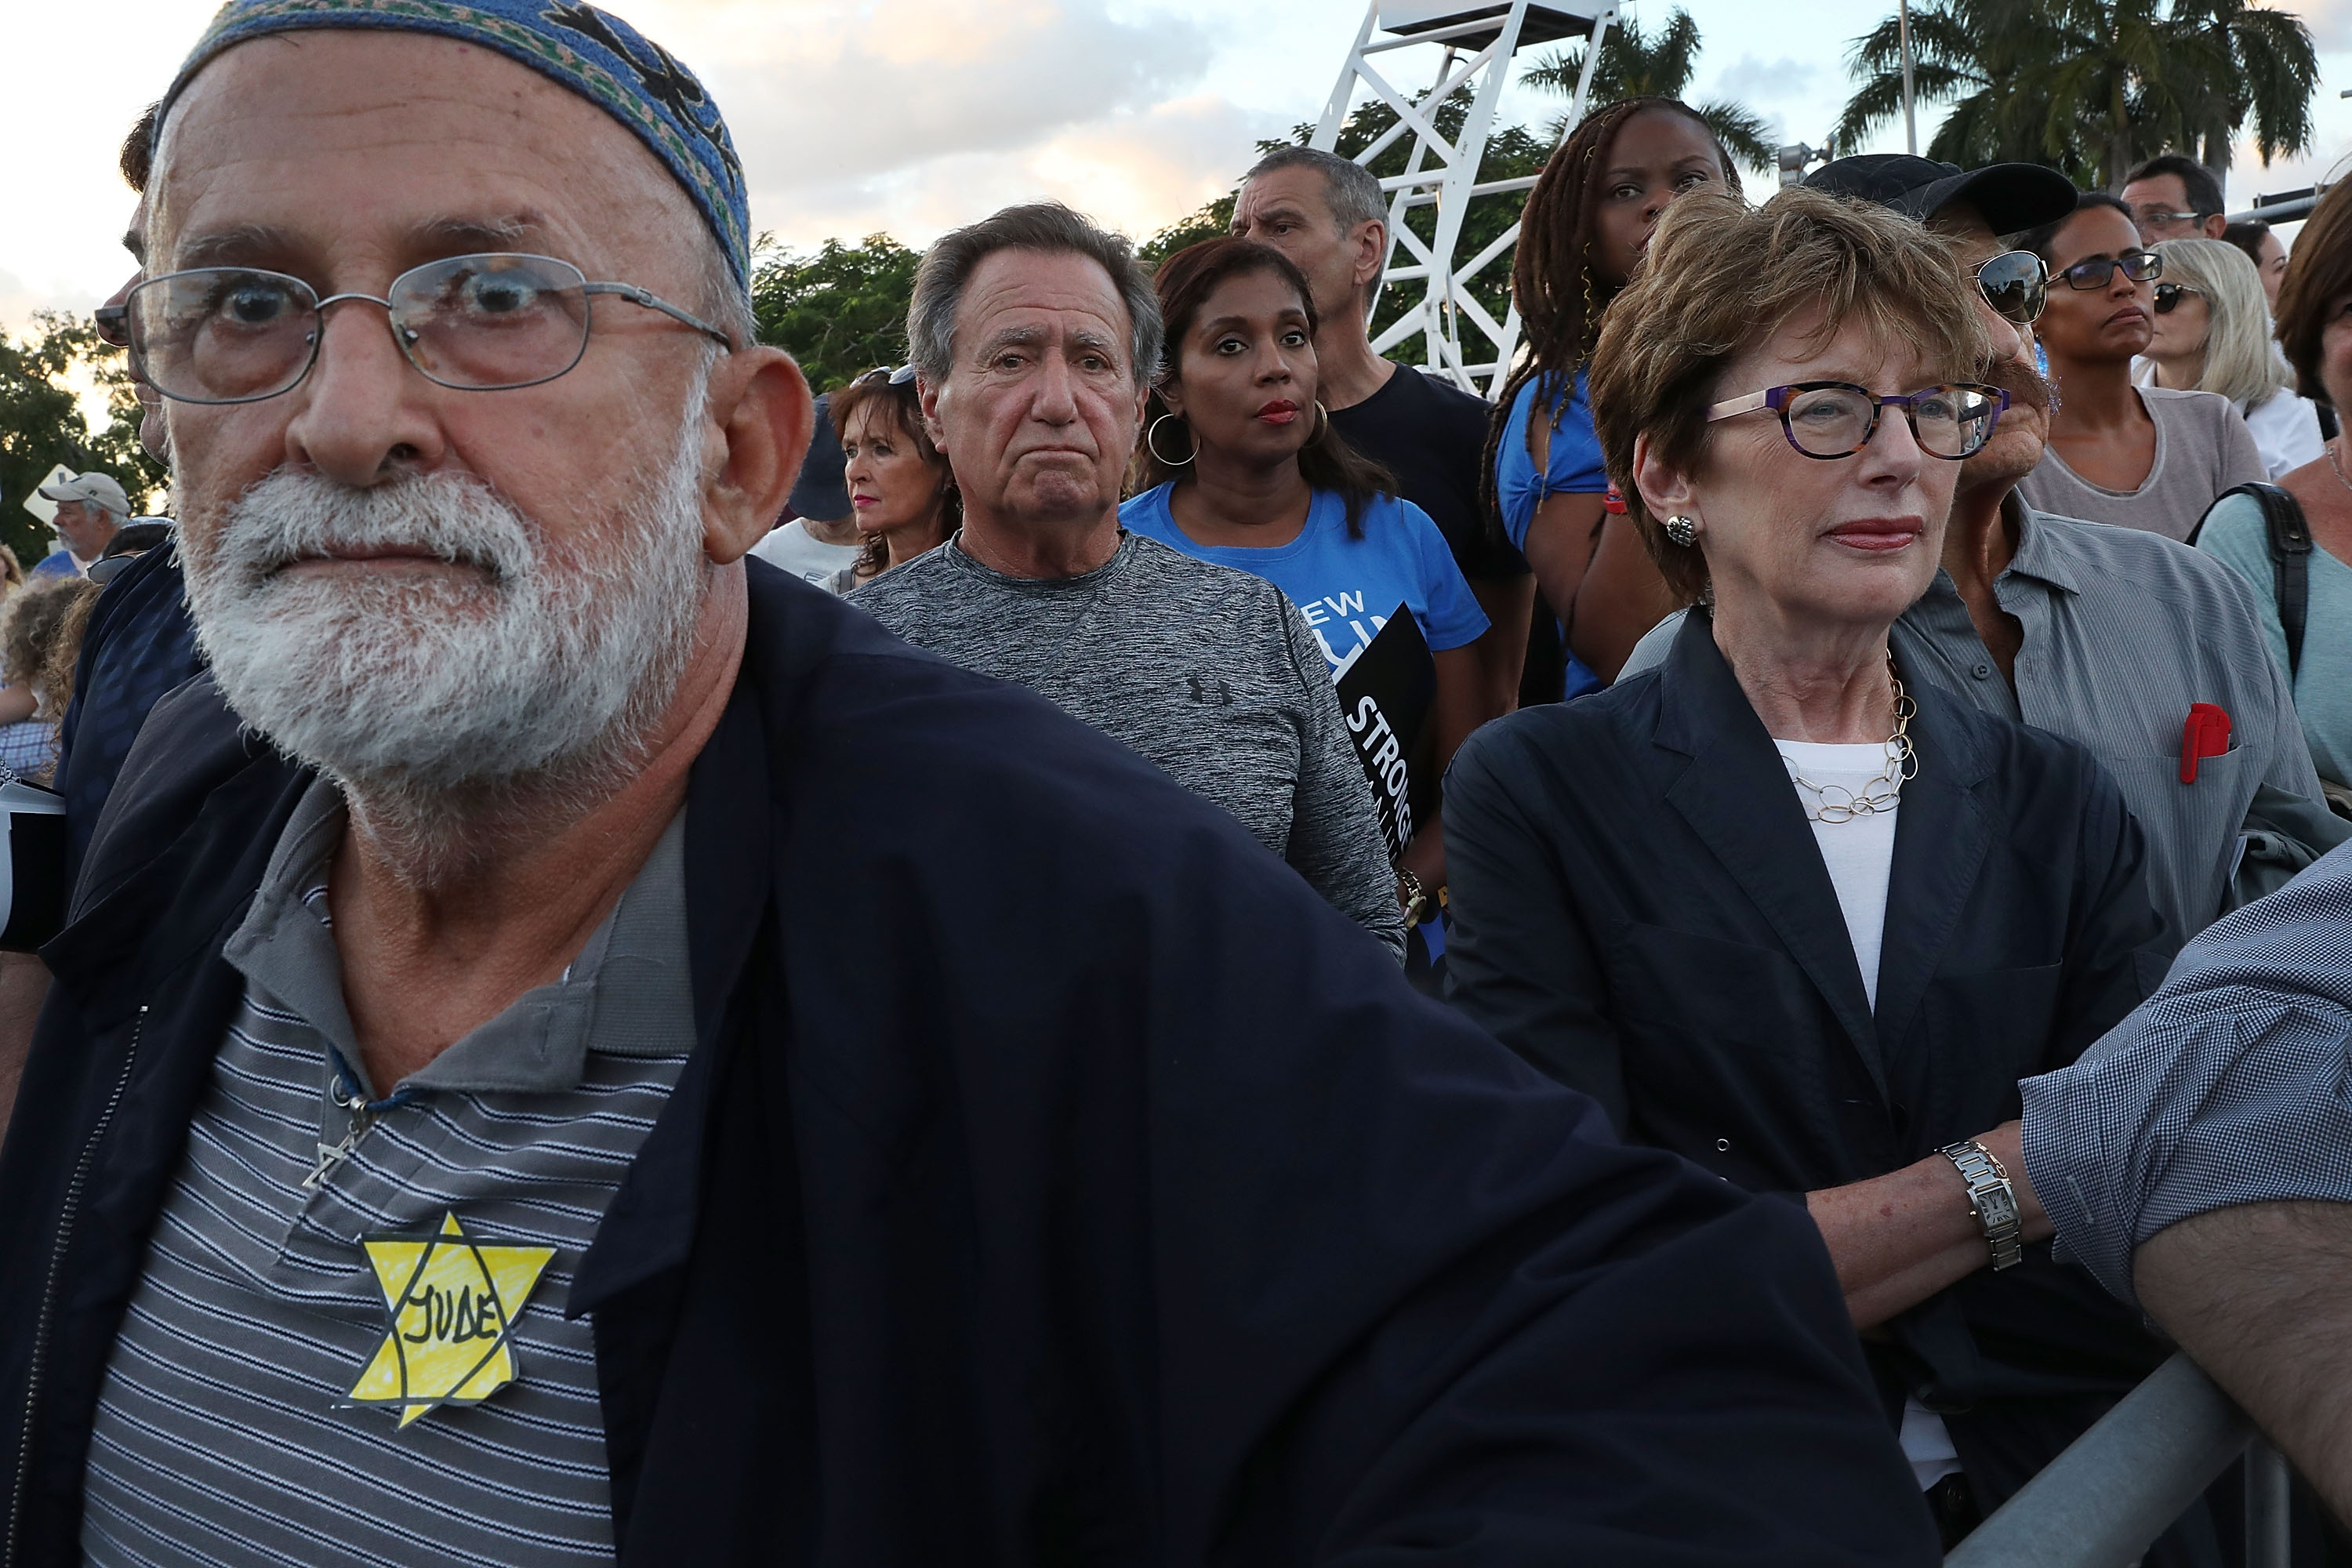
{"x": 443, "y": 704}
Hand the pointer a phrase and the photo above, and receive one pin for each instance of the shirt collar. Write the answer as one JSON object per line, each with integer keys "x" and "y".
{"x": 2045, "y": 554}
{"x": 627, "y": 993}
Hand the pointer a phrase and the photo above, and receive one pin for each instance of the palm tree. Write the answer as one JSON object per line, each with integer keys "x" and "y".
{"x": 1634, "y": 64}
{"x": 2091, "y": 87}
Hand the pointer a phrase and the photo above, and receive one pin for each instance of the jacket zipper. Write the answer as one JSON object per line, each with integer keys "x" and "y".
{"x": 66, "y": 1218}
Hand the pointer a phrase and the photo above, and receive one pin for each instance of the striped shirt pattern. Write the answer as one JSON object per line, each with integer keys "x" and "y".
{"x": 219, "y": 1436}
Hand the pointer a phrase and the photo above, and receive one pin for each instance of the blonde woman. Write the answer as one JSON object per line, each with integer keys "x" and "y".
{"x": 2212, "y": 333}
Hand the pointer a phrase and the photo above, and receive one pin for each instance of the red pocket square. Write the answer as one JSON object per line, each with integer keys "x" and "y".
{"x": 2206, "y": 734}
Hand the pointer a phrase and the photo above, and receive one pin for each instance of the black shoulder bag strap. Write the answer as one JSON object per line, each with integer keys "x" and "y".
{"x": 2290, "y": 546}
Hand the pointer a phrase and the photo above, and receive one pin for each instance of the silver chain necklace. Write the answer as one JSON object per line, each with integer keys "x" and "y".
{"x": 1881, "y": 793}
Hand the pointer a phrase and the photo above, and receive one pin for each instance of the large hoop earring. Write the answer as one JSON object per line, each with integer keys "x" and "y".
{"x": 1151, "y": 444}
{"x": 1322, "y": 424}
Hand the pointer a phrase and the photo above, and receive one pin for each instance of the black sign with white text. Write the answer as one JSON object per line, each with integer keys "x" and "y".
{"x": 1385, "y": 694}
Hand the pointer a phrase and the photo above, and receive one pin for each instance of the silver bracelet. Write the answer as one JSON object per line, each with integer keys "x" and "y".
{"x": 1992, "y": 1199}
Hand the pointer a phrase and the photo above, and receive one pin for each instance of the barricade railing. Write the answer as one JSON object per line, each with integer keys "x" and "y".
{"x": 2105, "y": 1498}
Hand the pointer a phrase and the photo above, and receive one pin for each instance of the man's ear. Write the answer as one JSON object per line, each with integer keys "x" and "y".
{"x": 761, "y": 417}
{"x": 1134, "y": 433}
{"x": 1371, "y": 241}
{"x": 927, "y": 398}
{"x": 1664, "y": 489}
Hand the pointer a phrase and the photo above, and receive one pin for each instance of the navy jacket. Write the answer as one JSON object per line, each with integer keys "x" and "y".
{"x": 139, "y": 644}
{"x": 1057, "y": 1179}
{"x": 1640, "y": 909}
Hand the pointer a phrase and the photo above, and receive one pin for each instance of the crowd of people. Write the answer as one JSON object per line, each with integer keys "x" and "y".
{"x": 1217, "y": 949}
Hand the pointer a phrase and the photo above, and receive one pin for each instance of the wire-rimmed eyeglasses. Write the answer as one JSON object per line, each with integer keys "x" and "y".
{"x": 2015, "y": 284}
{"x": 486, "y": 322}
{"x": 1828, "y": 419}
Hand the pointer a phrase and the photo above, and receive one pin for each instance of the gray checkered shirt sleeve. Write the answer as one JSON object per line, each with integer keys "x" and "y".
{"x": 2231, "y": 1085}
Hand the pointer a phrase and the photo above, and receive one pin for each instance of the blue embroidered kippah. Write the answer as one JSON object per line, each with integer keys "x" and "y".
{"x": 592, "y": 52}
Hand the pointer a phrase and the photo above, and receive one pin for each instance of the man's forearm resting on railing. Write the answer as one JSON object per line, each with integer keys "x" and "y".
{"x": 2198, "y": 1161}
{"x": 2261, "y": 1297}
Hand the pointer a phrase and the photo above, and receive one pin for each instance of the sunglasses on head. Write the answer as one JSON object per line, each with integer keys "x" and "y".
{"x": 885, "y": 375}
{"x": 2016, "y": 285}
{"x": 2139, "y": 266}
{"x": 2167, "y": 296}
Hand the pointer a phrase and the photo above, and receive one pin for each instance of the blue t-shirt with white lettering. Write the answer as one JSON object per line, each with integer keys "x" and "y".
{"x": 1346, "y": 587}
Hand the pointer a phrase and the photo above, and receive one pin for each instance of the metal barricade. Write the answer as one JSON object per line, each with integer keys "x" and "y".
{"x": 2100, "y": 1502}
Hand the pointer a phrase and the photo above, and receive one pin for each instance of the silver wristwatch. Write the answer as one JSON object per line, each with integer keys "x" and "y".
{"x": 1994, "y": 1199}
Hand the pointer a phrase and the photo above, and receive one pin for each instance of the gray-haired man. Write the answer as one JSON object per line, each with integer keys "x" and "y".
{"x": 1328, "y": 216}
{"x": 1035, "y": 336}
{"x": 90, "y": 507}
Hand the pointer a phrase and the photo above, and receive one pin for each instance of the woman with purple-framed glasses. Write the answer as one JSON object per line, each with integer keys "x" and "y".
{"x": 1780, "y": 907}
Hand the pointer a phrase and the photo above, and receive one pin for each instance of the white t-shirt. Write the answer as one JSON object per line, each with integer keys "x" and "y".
{"x": 806, "y": 556}
{"x": 2285, "y": 430}
{"x": 1859, "y": 854}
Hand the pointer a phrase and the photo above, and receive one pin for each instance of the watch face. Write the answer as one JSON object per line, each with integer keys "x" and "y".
{"x": 1997, "y": 1208}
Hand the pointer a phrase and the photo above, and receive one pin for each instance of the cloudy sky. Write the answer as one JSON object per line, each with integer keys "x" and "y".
{"x": 911, "y": 116}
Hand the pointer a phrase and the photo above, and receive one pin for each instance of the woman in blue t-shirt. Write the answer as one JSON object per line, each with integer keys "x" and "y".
{"x": 1245, "y": 470}
{"x": 1587, "y": 221}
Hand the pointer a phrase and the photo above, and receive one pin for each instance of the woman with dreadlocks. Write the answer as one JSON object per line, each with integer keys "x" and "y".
{"x": 1587, "y": 221}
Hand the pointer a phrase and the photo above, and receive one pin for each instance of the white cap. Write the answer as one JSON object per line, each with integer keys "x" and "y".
{"x": 97, "y": 488}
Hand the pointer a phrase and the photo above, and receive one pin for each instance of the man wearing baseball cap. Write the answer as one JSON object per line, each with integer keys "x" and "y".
{"x": 90, "y": 507}
{"x": 2103, "y": 634}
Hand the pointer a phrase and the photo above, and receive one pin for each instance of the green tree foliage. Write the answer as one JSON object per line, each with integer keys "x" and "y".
{"x": 42, "y": 422}
{"x": 841, "y": 311}
{"x": 1635, "y": 64}
{"x": 1210, "y": 222}
{"x": 2091, "y": 87}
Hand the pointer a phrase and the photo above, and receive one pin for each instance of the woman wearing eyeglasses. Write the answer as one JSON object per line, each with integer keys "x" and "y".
{"x": 900, "y": 488}
{"x": 1781, "y": 906}
{"x": 2213, "y": 335}
{"x": 2141, "y": 456}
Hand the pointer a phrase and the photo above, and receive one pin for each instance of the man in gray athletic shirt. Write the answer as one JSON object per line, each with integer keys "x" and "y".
{"x": 1035, "y": 337}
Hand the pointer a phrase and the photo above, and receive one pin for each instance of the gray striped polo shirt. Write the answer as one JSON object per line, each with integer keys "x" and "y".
{"x": 226, "y": 1431}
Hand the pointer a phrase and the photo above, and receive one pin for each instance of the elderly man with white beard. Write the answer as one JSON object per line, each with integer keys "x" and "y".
{"x": 569, "y": 1048}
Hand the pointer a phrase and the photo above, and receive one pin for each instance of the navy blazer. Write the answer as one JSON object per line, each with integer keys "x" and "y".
{"x": 1055, "y": 1179}
{"x": 1640, "y": 909}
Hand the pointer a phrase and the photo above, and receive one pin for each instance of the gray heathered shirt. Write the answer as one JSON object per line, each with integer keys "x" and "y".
{"x": 224, "y": 1431}
{"x": 1206, "y": 670}
{"x": 2203, "y": 448}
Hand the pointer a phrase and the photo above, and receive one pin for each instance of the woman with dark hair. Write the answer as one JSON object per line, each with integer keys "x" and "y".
{"x": 1586, "y": 224}
{"x": 2263, "y": 249}
{"x": 2139, "y": 457}
{"x": 900, "y": 487}
{"x": 1240, "y": 465}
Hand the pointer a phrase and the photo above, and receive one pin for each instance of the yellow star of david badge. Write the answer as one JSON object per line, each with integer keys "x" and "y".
{"x": 453, "y": 1301}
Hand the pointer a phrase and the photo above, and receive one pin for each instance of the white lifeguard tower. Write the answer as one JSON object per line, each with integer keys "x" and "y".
{"x": 1474, "y": 44}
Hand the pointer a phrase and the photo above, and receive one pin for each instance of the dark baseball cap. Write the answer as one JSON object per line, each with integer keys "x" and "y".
{"x": 2007, "y": 196}
{"x": 822, "y": 491}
